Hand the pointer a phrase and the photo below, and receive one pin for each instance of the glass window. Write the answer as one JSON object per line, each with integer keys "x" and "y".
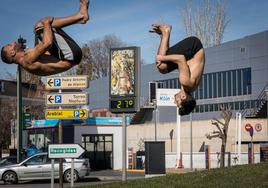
{"x": 236, "y": 105}
{"x": 201, "y": 108}
{"x": 231, "y": 104}
{"x": 210, "y": 86}
{"x": 196, "y": 94}
{"x": 247, "y": 104}
{"x": 216, "y": 107}
{"x": 179, "y": 84}
{"x": 37, "y": 160}
{"x": 234, "y": 82}
{"x": 246, "y": 85}
{"x": 206, "y": 108}
{"x": 200, "y": 92}
{"x": 214, "y": 85}
{"x": 224, "y": 84}
{"x": 229, "y": 85}
{"x": 219, "y": 84}
{"x": 210, "y": 108}
{"x": 176, "y": 83}
{"x": 239, "y": 80}
{"x": 197, "y": 109}
{"x": 205, "y": 86}
{"x": 249, "y": 80}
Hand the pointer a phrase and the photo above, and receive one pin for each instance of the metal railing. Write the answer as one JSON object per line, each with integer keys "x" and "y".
{"x": 252, "y": 111}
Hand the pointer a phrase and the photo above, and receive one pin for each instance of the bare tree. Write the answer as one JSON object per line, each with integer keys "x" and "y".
{"x": 85, "y": 66}
{"x": 97, "y": 52}
{"x": 208, "y": 22}
{"x": 6, "y": 115}
{"x": 222, "y": 131}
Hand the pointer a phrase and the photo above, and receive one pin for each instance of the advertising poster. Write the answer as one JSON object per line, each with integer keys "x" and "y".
{"x": 122, "y": 72}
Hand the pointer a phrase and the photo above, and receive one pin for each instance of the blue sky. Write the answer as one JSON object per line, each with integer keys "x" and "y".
{"x": 129, "y": 20}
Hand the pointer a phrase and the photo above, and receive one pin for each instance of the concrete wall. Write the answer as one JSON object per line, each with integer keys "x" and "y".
{"x": 146, "y": 132}
{"x": 199, "y": 160}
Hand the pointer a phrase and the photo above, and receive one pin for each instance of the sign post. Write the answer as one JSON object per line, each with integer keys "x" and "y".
{"x": 124, "y": 89}
{"x": 65, "y": 99}
{"x": 67, "y": 151}
{"x": 166, "y": 97}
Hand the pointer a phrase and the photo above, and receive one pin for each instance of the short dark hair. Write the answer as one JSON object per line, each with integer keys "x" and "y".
{"x": 5, "y": 56}
{"x": 187, "y": 105}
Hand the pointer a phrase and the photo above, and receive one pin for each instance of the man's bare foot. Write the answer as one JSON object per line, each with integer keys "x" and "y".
{"x": 83, "y": 11}
{"x": 161, "y": 29}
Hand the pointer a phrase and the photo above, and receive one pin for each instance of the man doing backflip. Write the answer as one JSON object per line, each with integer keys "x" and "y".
{"x": 188, "y": 57}
{"x": 56, "y": 52}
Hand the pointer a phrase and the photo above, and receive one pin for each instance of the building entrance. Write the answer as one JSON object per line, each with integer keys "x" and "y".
{"x": 99, "y": 150}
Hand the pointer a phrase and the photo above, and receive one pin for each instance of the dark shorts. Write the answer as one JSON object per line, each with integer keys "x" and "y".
{"x": 187, "y": 47}
{"x": 63, "y": 46}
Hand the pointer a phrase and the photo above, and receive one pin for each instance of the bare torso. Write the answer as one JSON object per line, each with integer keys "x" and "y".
{"x": 196, "y": 66}
{"x": 45, "y": 64}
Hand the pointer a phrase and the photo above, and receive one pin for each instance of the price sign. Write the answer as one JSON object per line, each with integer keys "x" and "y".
{"x": 123, "y": 103}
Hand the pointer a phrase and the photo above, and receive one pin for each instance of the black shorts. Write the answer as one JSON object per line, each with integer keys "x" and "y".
{"x": 63, "y": 46}
{"x": 187, "y": 47}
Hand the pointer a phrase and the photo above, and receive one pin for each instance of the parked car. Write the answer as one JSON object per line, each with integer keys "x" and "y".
{"x": 38, "y": 167}
{"x": 8, "y": 160}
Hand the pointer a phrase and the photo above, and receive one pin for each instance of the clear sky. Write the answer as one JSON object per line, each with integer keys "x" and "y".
{"x": 128, "y": 19}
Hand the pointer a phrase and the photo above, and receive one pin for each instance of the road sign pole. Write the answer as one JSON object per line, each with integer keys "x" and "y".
{"x": 124, "y": 148}
{"x": 178, "y": 131}
{"x": 72, "y": 173}
{"x": 19, "y": 115}
{"x": 60, "y": 160}
{"x": 191, "y": 142}
{"x": 52, "y": 173}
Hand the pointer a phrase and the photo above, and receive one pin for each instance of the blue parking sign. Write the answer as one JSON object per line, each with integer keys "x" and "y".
{"x": 57, "y": 82}
{"x": 58, "y": 99}
{"x": 76, "y": 113}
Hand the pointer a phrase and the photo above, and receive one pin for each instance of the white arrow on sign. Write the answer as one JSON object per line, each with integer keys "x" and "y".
{"x": 65, "y": 151}
{"x": 67, "y": 99}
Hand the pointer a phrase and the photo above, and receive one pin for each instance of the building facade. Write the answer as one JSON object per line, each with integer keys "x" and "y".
{"x": 235, "y": 76}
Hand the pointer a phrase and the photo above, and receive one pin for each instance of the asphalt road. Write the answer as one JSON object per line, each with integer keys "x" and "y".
{"x": 96, "y": 177}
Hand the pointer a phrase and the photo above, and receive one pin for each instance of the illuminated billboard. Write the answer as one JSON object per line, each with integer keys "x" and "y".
{"x": 124, "y": 79}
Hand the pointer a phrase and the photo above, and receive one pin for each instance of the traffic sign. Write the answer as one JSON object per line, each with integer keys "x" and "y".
{"x": 248, "y": 126}
{"x": 258, "y": 127}
{"x": 57, "y": 99}
{"x": 27, "y": 120}
{"x": 66, "y": 114}
{"x": 65, "y": 151}
{"x": 67, "y": 82}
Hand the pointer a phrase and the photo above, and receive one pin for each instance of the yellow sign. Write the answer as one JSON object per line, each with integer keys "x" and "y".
{"x": 67, "y": 82}
{"x": 67, "y": 114}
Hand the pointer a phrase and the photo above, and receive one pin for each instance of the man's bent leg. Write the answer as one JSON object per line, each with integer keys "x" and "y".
{"x": 80, "y": 17}
{"x": 180, "y": 61}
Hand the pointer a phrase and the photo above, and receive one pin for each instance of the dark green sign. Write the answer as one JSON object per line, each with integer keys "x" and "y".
{"x": 27, "y": 120}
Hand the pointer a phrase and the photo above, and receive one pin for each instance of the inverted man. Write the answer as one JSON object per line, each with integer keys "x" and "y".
{"x": 188, "y": 57}
{"x": 56, "y": 52}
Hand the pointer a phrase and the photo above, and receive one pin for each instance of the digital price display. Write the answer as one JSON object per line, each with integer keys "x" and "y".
{"x": 124, "y": 80}
{"x": 123, "y": 104}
